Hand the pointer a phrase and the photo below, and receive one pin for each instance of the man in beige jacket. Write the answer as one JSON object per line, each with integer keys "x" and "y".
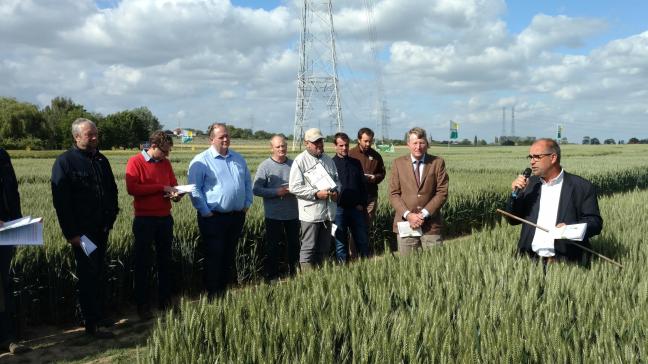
{"x": 316, "y": 206}
{"x": 418, "y": 188}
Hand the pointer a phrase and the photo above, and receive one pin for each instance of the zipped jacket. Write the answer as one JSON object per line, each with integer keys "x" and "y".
{"x": 9, "y": 196}
{"x": 84, "y": 192}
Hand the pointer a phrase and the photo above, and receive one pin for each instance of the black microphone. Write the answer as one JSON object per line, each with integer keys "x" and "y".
{"x": 526, "y": 174}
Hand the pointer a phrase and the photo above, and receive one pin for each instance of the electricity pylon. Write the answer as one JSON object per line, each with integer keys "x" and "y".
{"x": 317, "y": 77}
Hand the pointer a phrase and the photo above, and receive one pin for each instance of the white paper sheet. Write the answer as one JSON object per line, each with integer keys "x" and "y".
{"x": 23, "y": 231}
{"x": 318, "y": 177}
{"x": 87, "y": 245}
{"x": 574, "y": 232}
{"x": 405, "y": 230}
{"x": 185, "y": 188}
{"x": 333, "y": 229}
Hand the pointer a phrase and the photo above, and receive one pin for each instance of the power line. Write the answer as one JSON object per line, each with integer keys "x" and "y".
{"x": 317, "y": 73}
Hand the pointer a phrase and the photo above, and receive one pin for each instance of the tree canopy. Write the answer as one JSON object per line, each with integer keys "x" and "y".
{"x": 23, "y": 125}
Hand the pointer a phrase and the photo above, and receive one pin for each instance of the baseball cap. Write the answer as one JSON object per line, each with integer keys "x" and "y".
{"x": 312, "y": 135}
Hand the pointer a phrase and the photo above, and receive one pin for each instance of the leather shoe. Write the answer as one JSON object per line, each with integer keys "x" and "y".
{"x": 13, "y": 348}
{"x": 18, "y": 349}
{"x": 144, "y": 313}
{"x": 97, "y": 334}
{"x": 106, "y": 322}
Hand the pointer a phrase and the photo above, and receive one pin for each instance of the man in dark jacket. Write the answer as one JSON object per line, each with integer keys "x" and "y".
{"x": 85, "y": 198}
{"x": 352, "y": 203}
{"x": 552, "y": 197}
{"x": 9, "y": 210}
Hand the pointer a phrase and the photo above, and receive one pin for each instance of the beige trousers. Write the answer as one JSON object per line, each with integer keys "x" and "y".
{"x": 409, "y": 245}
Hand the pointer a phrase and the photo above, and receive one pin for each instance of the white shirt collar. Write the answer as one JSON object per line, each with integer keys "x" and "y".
{"x": 414, "y": 159}
{"x": 557, "y": 180}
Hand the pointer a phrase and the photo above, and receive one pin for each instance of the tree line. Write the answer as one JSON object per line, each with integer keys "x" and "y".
{"x": 24, "y": 125}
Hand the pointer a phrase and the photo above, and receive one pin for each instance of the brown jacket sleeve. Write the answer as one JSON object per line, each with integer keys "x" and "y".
{"x": 440, "y": 195}
{"x": 395, "y": 192}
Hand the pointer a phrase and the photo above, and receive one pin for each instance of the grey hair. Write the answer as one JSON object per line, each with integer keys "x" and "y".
{"x": 277, "y": 136}
{"x": 419, "y": 132}
{"x": 76, "y": 125}
{"x": 552, "y": 147}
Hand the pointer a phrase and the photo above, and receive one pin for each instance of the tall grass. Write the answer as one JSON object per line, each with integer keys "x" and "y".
{"x": 469, "y": 301}
{"x": 479, "y": 183}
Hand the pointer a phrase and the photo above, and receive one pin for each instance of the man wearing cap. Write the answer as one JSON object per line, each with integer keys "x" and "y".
{"x": 316, "y": 207}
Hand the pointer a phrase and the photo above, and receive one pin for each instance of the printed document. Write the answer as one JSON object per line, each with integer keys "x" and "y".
{"x": 23, "y": 231}
{"x": 185, "y": 188}
{"x": 318, "y": 177}
{"x": 87, "y": 245}
{"x": 571, "y": 232}
{"x": 405, "y": 230}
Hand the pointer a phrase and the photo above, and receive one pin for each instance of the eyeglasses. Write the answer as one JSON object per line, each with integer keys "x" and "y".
{"x": 537, "y": 157}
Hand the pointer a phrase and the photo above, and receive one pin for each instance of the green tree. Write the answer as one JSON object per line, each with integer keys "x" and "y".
{"x": 20, "y": 120}
{"x": 59, "y": 116}
{"x": 127, "y": 128}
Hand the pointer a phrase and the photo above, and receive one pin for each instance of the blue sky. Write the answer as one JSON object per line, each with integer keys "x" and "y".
{"x": 261, "y": 4}
{"x": 580, "y": 64}
{"x": 625, "y": 17}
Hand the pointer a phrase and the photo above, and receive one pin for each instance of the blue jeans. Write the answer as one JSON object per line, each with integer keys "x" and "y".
{"x": 356, "y": 221}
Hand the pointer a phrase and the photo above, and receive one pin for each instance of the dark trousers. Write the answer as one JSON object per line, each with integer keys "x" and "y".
{"x": 220, "y": 234}
{"x": 91, "y": 280}
{"x": 7, "y": 329}
{"x": 149, "y": 230}
{"x": 350, "y": 218}
{"x": 278, "y": 231}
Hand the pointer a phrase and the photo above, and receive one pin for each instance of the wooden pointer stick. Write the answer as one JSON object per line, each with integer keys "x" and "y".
{"x": 568, "y": 241}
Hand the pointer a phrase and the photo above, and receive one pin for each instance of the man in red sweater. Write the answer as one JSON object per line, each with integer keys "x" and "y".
{"x": 150, "y": 180}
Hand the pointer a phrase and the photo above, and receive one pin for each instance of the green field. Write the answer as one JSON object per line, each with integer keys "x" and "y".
{"x": 473, "y": 283}
{"x": 468, "y": 301}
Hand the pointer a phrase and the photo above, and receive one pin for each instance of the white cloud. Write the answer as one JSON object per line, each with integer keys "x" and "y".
{"x": 195, "y": 61}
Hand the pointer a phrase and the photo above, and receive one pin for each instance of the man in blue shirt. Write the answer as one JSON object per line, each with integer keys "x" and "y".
{"x": 222, "y": 196}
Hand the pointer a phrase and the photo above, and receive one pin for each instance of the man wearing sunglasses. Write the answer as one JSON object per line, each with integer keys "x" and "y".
{"x": 552, "y": 197}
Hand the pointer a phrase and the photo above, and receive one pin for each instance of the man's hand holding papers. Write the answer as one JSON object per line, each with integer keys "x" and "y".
{"x": 574, "y": 232}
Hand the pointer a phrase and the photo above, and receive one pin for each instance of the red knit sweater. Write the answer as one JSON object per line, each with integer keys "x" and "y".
{"x": 145, "y": 181}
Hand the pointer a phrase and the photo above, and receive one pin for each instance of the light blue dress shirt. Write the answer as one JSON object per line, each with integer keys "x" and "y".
{"x": 223, "y": 183}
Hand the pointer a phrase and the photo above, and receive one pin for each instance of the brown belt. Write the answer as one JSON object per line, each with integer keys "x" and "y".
{"x": 548, "y": 260}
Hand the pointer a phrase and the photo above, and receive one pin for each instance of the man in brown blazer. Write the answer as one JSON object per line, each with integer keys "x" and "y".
{"x": 418, "y": 188}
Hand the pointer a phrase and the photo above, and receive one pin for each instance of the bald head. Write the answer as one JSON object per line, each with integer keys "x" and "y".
{"x": 549, "y": 146}
{"x": 278, "y": 148}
